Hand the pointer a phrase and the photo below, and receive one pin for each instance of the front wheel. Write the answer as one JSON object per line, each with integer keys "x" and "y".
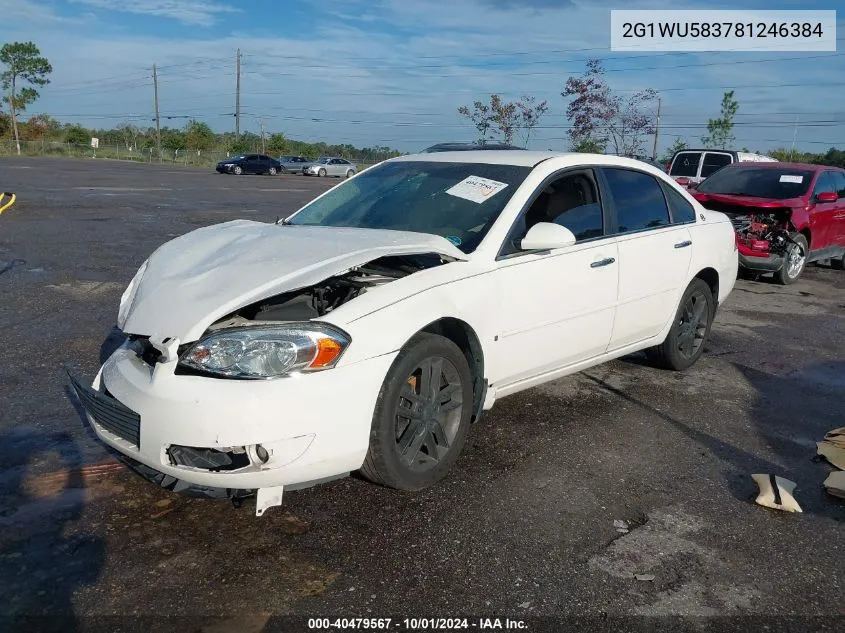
{"x": 322, "y": 173}
{"x": 685, "y": 342}
{"x": 237, "y": 170}
{"x": 795, "y": 260}
{"x": 422, "y": 415}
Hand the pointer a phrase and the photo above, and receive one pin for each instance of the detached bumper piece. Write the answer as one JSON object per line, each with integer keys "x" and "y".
{"x": 110, "y": 414}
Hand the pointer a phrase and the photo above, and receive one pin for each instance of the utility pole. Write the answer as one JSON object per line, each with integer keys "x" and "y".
{"x": 238, "y": 98}
{"x": 794, "y": 136}
{"x": 158, "y": 118}
{"x": 656, "y": 129}
{"x": 261, "y": 123}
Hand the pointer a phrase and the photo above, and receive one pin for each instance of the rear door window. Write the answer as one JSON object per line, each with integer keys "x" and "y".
{"x": 685, "y": 164}
{"x": 713, "y": 162}
{"x": 639, "y": 200}
{"x": 682, "y": 210}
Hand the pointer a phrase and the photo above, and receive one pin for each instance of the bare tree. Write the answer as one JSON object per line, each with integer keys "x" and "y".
{"x": 598, "y": 117}
{"x": 130, "y": 133}
{"x": 631, "y": 122}
{"x": 530, "y": 113}
{"x": 481, "y": 118}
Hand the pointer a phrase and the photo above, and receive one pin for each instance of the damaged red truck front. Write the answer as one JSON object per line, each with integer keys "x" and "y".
{"x": 785, "y": 215}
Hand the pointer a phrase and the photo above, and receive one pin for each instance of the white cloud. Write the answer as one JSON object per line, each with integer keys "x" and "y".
{"x": 192, "y": 12}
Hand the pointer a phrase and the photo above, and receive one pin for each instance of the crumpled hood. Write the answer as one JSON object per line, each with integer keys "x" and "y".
{"x": 197, "y": 278}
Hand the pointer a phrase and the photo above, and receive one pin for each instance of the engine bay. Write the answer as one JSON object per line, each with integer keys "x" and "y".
{"x": 768, "y": 233}
{"x": 320, "y": 299}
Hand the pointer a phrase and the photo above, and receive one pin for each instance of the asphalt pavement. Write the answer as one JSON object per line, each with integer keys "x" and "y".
{"x": 524, "y": 525}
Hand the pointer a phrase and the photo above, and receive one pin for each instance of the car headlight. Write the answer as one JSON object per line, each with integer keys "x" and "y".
{"x": 268, "y": 351}
{"x": 128, "y": 296}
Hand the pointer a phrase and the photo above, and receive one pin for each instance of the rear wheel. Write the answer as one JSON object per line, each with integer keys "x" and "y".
{"x": 272, "y": 171}
{"x": 838, "y": 263}
{"x": 350, "y": 173}
{"x": 422, "y": 416}
{"x": 685, "y": 342}
{"x": 795, "y": 260}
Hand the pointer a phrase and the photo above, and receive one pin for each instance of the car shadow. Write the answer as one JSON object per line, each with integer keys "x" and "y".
{"x": 43, "y": 560}
{"x": 790, "y": 417}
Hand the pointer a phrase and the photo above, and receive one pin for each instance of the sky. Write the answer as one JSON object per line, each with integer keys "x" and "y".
{"x": 394, "y": 72}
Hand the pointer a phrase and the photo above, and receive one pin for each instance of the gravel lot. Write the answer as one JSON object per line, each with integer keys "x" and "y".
{"x": 523, "y": 527}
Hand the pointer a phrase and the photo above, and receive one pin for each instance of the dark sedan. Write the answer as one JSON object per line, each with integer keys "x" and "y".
{"x": 249, "y": 164}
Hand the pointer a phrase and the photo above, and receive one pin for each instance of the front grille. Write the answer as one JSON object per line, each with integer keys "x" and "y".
{"x": 109, "y": 413}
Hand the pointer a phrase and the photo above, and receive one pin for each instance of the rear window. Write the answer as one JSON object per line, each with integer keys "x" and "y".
{"x": 759, "y": 182}
{"x": 685, "y": 164}
{"x": 713, "y": 162}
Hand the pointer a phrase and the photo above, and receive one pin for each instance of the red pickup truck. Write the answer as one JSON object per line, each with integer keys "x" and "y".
{"x": 785, "y": 215}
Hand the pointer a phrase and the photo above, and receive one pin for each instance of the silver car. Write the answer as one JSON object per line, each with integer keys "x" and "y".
{"x": 339, "y": 167}
{"x": 293, "y": 164}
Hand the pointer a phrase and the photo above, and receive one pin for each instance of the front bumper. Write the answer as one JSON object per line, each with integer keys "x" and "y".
{"x": 313, "y": 427}
{"x": 762, "y": 262}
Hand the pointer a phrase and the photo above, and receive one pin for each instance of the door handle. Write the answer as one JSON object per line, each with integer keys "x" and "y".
{"x": 683, "y": 244}
{"x": 603, "y": 262}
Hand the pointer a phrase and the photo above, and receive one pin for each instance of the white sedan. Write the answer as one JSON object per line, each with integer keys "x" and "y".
{"x": 368, "y": 331}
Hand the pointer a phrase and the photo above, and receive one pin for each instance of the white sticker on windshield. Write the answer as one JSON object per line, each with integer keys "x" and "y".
{"x": 476, "y": 189}
{"x": 796, "y": 179}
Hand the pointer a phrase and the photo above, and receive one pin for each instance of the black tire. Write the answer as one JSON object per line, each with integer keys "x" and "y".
{"x": 237, "y": 170}
{"x": 673, "y": 353}
{"x": 427, "y": 458}
{"x": 350, "y": 173}
{"x": 838, "y": 263}
{"x": 272, "y": 171}
{"x": 322, "y": 173}
{"x": 790, "y": 273}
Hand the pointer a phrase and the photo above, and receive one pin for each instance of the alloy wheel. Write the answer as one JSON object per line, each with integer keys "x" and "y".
{"x": 693, "y": 325}
{"x": 428, "y": 414}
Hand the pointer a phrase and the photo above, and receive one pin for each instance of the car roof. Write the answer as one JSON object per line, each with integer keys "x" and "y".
{"x": 783, "y": 165}
{"x": 523, "y": 158}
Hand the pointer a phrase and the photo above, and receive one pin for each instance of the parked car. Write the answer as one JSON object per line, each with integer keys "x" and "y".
{"x": 654, "y": 163}
{"x": 339, "y": 167}
{"x": 785, "y": 214}
{"x": 249, "y": 164}
{"x": 293, "y": 164}
{"x": 368, "y": 330}
{"x": 692, "y": 166}
{"x": 466, "y": 147}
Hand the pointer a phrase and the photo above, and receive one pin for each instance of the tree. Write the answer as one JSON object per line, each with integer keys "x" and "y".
{"x": 589, "y": 146}
{"x": 171, "y": 139}
{"x": 24, "y": 64}
{"x": 77, "y": 135}
{"x": 719, "y": 130}
{"x": 678, "y": 146}
{"x": 277, "y": 143}
{"x": 198, "y": 136}
{"x": 599, "y": 117}
{"x": 129, "y": 132}
{"x": 530, "y": 114}
{"x": 239, "y": 146}
{"x": 630, "y": 123}
{"x": 591, "y": 108}
{"x": 481, "y": 117}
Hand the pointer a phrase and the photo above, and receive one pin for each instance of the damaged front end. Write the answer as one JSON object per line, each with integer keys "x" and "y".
{"x": 764, "y": 233}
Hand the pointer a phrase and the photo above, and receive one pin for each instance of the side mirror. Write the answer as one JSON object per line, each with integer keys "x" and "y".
{"x": 545, "y": 236}
{"x": 827, "y": 196}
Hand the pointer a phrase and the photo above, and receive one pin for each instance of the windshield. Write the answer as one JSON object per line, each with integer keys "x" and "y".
{"x": 237, "y": 157}
{"x": 759, "y": 182}
{"x": 458, "y": 201}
